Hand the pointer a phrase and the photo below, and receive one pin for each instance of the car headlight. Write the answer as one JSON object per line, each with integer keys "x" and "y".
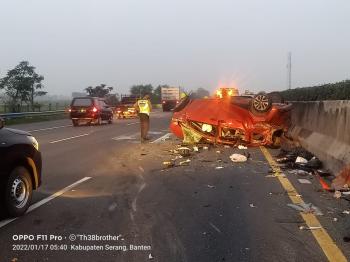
{"x": 34, "y": 142}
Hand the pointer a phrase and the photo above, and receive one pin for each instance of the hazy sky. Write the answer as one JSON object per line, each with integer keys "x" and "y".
{"x": 77, "y": 43}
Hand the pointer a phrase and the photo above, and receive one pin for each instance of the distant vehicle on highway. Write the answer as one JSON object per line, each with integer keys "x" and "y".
{"x": 170, "y": 97}
{"x": 20, "y": 173}
{"x": 126, "y": 109}
{"x": 90, "y": 110}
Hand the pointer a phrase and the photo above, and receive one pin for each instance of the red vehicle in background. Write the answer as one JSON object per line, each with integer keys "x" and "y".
{"x": 248, "y": 120}
{"x": 126, "y": 109}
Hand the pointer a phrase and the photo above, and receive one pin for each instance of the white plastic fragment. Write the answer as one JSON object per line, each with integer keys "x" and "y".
{"x": 242, "y": 147}
{"x": 300, "y": 160}
{"x": 219, "y": 167}
{"x": 337, "y": 194}
{"x": 304, "y": 181}
{"x": 238, "y": 158}
{"x": 347, "y": 212}
{"x": 195, "y": 149}
{"x": 309, "y": 228}
{"x": 252, "y": 205}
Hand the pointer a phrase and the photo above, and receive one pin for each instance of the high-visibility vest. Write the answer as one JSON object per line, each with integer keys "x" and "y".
{"x": 144, "y": 107}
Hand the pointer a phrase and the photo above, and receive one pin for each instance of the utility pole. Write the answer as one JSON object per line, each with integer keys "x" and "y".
{"x": 289, "y": 70}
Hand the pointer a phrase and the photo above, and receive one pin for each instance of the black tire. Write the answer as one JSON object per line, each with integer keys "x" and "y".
{"x": 99, "y": 120}
{"x": 75, "y": 122}
{"x": 110, "y": 120}
{"x": 261, "y": 103}
{"x": 18, "y": 191}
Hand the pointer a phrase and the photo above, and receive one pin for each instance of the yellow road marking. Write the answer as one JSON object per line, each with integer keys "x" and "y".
{"x": 330, "y": 249}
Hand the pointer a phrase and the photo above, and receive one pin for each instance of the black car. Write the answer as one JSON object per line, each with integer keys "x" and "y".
{"x": 90, "y": 110}
{"x": 20, "y": 172}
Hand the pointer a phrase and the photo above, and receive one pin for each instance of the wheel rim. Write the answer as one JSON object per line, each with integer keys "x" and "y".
{"x": 261, "y": 102}
{"x": 19, "y": 192}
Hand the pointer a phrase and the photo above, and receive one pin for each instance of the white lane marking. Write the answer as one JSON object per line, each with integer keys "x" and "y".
{"x": 68, "y": 138}
{"x": 161, "y": 138}
{"x": 133, "y": 205}
{"x": 49, "y": 128}
{"x": 133, "y": 123}
{"x": 45, "y": 200}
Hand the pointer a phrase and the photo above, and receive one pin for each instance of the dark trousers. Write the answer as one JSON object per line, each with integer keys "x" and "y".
{"x": 144, "y": 123}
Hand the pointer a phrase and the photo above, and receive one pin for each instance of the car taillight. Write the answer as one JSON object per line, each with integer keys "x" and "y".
{"x": 70, "y": 110}
{"x": 94, "y": 110}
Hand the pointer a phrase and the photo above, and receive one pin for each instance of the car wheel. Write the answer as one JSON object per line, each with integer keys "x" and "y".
{"x": 18, "y": 192}
{"x": 110, "y": 120}
{"x": 261, "y": 103}
{"x": 99, "y": 120}
{"x": 75, "y": 122}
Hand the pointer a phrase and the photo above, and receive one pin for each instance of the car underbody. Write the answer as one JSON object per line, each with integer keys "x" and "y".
{"x": 231, "y": 120}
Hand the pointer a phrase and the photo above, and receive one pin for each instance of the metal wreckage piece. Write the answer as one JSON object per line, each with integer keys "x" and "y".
{"x": 248, "y": 120}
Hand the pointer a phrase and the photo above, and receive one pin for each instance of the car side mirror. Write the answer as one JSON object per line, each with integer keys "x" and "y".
{"x": 2, "y": 122}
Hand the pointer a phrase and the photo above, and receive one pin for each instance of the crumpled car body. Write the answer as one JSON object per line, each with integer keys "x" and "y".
{"x": 229, "y": 121}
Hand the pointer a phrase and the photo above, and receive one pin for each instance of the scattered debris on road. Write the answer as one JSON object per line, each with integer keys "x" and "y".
{"x": 306, "y": 208}
{"x": 304, "y": 181}
{"x": 252, "y": 205}
{"x": 238, "y": 158}
{"x": 309, "y": 228}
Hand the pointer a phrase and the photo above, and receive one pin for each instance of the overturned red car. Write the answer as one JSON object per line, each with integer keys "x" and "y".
{"x": 235, "y": 120}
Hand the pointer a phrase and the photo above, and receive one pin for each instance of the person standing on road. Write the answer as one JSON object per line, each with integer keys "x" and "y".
{"x": 144, "y": 107}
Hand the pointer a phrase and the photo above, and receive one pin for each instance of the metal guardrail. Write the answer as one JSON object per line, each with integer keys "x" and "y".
{"x": 31, "y": 114}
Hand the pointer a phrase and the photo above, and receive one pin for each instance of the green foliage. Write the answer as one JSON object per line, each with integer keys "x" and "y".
{"x": 200, "y": 93}
{"x": 141, "y": 90}
{"x": 21, "y": 84}
{"x": 336, "y": 91}
{"x": 99, "y": 91}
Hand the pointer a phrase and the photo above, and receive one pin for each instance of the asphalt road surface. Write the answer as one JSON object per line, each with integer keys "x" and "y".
{"x": 106, "y": 197}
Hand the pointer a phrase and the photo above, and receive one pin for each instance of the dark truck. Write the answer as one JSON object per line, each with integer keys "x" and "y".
{"x": 126, "y": 109}
{"x": 20, "y": 172}
{"x": 170, "y": 97}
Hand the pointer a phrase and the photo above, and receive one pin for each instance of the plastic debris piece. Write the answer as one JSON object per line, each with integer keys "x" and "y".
{"x": 185, "y": 162}
{"x": 210, "y": 186}
{"x": 169, "y": 164}
{"x": 335, "y": 219}
{"x": 252, "y": 205}
{"x": 347, "y": 212}
{"x": 309, "y": 228}
{"x": 306, "y": 208}
{"x": 219, "y": 167}
{"x": 303, "y": 173}
{"x": 304, "y": 181}
{"x": 184, "y": 151}
{"x": 346, "y": 193}
{"x": 337, "y": 194}
{"x": 195, "y": 149}
{"x": 150, "y": 256}
{"x": 242, "y": 147}
{"x": 300, "y": 160}
{"x": 314, "y": 163}
{"x": 238, "y": 158}
{"x": 205, "y": 148}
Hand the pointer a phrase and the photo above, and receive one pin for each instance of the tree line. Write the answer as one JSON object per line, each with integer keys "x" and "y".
{"x": 335, "y": 91}
{"x": 21, "y": 85}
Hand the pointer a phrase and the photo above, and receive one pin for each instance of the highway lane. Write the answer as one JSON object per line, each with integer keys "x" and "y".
{"x": 187, "y": 213}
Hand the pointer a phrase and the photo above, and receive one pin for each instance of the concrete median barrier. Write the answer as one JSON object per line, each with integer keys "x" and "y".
{"x": 323, "y": 128}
